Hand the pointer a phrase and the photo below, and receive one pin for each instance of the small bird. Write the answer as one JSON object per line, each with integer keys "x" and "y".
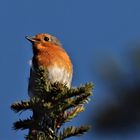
{"x": 49, "y": 55}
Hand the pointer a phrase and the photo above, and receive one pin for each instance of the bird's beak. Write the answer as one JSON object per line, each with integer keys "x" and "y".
{"x": 31, "y": 39}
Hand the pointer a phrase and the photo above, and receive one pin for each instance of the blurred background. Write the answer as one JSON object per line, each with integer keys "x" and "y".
{"x": 102, "y": 38}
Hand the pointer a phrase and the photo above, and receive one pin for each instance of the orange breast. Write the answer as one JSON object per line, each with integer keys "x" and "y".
{"x": 53, "y": 55}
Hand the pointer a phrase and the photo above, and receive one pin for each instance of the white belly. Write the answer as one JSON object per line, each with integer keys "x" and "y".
{"x": 58, "y": 74}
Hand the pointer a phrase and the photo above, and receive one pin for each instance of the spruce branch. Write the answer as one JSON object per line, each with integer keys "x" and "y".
{"x": 68, "y": 115}
{"x": 20, "y": 106}
{"x": 52, "y": 106}
{"x": 24, "y": 124}
{"x": 72, "y": 131}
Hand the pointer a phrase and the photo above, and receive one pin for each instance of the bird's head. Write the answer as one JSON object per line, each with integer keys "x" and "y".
{"x": 42, "y": 41}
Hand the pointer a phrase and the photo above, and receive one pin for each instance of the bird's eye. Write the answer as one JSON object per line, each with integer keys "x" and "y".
{"x": 46, "y": 38}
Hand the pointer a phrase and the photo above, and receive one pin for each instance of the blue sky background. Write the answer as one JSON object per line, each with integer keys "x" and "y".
{"x": 88, "y": 29}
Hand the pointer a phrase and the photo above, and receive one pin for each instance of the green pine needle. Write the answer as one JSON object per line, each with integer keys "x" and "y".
{"x": 72, "y": 131}
{"x": 19, "y": 106}
{"x": 24, "y": 124}
{"x": 68, "y": 115}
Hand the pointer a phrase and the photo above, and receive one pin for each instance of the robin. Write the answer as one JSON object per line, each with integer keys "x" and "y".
{"x": 49, "y": 55}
